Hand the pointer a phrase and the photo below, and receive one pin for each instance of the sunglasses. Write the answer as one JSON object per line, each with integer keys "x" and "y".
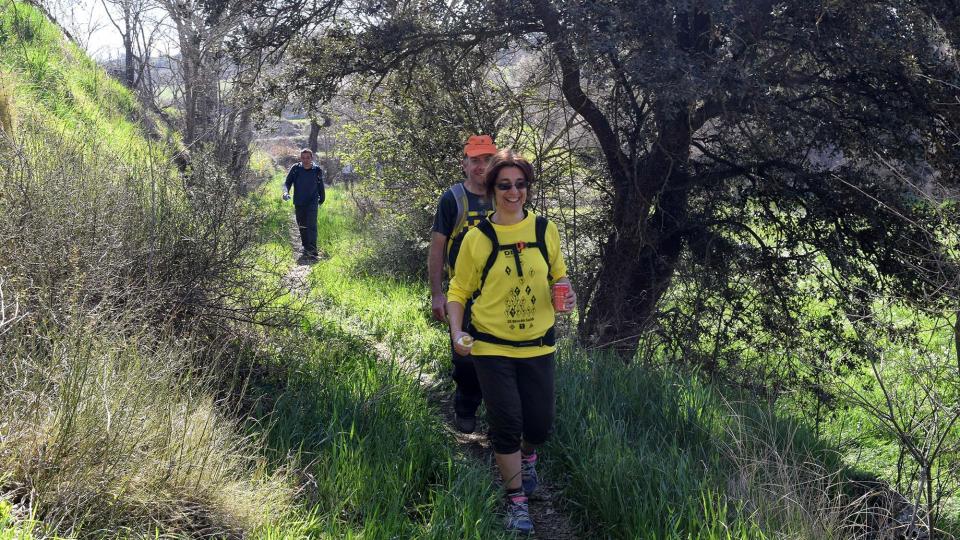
{"x": 521, "y": 185}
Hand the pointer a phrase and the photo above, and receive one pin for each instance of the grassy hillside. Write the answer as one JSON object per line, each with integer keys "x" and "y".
{"x": 57, "y": 89}
{"x": 137, "y": 396}
{"x": 110, "y": 423}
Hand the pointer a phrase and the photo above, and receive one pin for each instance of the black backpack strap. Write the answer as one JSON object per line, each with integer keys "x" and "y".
{"x": 487, "y": 229}
{"x": 546, "y": 340}
{"x": 541, "y": 229}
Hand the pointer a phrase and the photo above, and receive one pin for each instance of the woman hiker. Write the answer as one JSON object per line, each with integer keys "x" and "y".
{"x": 508, "y": 265}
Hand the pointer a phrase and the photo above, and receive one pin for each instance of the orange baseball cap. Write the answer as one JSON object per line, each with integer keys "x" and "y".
{"x": 479, "y": 145}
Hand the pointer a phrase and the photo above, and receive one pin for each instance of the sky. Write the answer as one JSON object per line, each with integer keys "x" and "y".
{"x": 88, "y": 22}
{"x": 105, "y": 42}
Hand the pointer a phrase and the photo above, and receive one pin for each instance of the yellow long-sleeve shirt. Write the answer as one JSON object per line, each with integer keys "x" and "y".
{"x": 509, "y": 306}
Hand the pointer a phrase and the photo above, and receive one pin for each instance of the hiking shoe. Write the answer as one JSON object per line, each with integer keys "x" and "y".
{"x": 528, "y": 473}
{"x": 518, "y": 516}
{"x": 464, "y": 424}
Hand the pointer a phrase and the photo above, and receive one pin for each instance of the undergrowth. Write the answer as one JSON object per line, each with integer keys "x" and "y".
{"x": 641, "y": 453}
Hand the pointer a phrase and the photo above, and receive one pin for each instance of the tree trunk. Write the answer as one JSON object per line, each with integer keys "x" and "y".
{"x": 642, "y": 250}
{"x": 649, "y": 214}
{"x": 129, "y": 63}
{"x": 200, "y": 81}
{"x": 638, "y": 264}
{"x": 240, "y": 150}
{"x": 314, "y": 135}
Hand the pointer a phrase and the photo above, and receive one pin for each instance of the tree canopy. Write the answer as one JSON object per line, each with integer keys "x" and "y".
{"x": 756, "y": 138}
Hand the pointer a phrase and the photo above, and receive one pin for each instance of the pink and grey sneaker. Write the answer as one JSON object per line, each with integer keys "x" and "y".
{"x": 528, "y": 473}
{"x": 518, "y": 515}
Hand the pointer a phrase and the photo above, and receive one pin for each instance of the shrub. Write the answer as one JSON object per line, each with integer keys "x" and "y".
{"x": 90, "y": 226}
{"x": 107, "y": 427}
{"x": 116, "y": 272}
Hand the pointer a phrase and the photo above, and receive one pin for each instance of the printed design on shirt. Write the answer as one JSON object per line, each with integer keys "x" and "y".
{"x": 521, "y": 302}
{"x": 475, "y": 216}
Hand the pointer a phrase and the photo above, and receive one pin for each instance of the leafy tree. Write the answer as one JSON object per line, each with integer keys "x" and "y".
{"x": 738, "y": 135}
{"x": 225, "y": 46}
{"x": 407, "y": 137}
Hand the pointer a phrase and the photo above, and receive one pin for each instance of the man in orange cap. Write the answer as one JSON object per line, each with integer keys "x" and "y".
{"x": 462, "y": 206}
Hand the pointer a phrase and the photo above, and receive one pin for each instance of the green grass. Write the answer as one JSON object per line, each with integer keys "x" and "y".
{"x": 388, "y": 310}
{"x": 378, "y": 460}
{"x": 653, "y": 453}
{"x": 643, "y": 453}
{"x": 60, "y": 90}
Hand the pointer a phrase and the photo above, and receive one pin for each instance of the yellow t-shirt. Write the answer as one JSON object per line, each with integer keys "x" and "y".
{"x": 509, "y": 306}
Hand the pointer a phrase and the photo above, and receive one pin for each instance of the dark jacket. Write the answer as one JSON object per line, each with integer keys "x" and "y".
{"x": 307, "y": 185}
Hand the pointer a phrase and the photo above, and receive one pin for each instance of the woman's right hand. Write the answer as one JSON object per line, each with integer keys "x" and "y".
{"x": 462, "y": 342}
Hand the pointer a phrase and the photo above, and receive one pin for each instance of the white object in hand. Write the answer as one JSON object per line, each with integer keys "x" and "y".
{"x": 286, "y": 196}
{"x": 465, "y": 341}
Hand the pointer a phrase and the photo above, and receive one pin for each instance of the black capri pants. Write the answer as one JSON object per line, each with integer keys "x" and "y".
{"x": 519, "y": 396}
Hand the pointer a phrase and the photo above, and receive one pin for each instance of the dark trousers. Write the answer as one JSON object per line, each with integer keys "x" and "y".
{"x": 519, "y": 396}
{"x": 468, "y": 395}
{"x": 307, "y": 223}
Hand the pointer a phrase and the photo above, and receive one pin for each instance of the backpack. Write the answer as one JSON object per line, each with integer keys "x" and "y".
{"x": 540, "y": 226}
{"x": 460, "y": 229}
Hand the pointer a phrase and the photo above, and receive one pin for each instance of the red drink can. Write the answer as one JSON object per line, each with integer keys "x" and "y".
{"x": 560, "y": 291}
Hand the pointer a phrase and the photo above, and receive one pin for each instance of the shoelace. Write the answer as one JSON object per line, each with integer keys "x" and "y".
{"x": 519, "y": 511}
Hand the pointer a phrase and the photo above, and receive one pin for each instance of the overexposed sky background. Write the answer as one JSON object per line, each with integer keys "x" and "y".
{"x": 87, "y": 20}
{"x": 105, "y": 41}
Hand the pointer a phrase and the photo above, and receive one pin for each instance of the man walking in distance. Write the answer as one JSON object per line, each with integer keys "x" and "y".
{"x": 462, "y": 206}
{"x": 308, "y": 194}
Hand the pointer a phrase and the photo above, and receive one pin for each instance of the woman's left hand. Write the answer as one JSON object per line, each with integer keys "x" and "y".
{"x": 570, "y": 301}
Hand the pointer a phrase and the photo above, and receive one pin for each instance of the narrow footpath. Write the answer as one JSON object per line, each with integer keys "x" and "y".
{"x": 550, "y": 521}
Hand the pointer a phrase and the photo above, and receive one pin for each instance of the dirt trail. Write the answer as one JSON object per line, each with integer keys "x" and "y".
{"x": 296, "y": 278}
{"x": 550, "y": 521}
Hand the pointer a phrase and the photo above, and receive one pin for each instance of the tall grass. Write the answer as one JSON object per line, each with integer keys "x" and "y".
{"x": 118, "y": 370}
{"x": 107, "y": 428}
{"x": 640, "y": 453}
{"x": 659, "y": 455}
{"x": 373, "y": 456}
